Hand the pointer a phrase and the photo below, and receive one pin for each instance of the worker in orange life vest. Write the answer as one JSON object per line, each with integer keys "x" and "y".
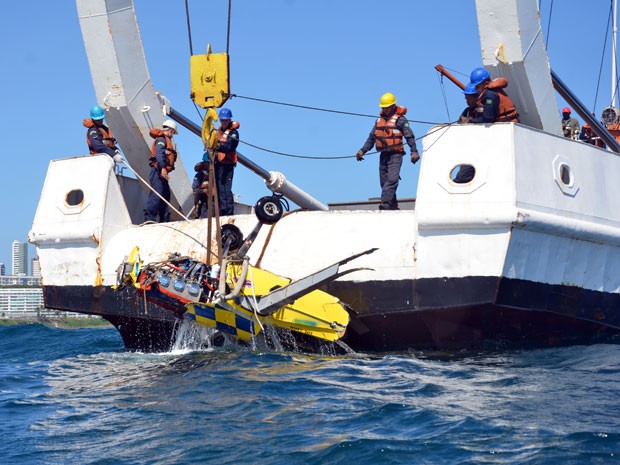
{"x": 387, "y": 135}
{"x": 163, "y": 157}
{"x": 98, "y": 136}
{"x": 225, "y": 161}
{"x": 494, "y": 105}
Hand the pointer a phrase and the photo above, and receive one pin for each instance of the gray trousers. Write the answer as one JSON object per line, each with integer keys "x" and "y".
{"x": 389, "y": 175}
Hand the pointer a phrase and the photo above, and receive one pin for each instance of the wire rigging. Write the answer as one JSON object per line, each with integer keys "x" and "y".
{"x": 327, "y": 110}
{"x": 600, "y": 69}
{"x": 273, "y": 102}
{"x": 228, "y": 27}
{"x": 189, "y": 29}
{"x": 549, "y": 25}
{"x": 337, "y": 157}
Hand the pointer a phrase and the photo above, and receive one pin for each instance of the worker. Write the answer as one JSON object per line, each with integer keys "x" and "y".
{"x": 98, "y": 136}
{"x": 471, "y": 97}
{"x": 163, "y": 157}
{"x": 588, "y": 136}
{"x": 200, "y": 188}
{"x": 494, "y": 105}
{"x": 387, "y": 135}
{"x": 225, "y": 161}
{"x": 570, "y": 126}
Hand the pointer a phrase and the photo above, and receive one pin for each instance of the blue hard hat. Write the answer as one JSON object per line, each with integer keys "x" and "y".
{"x": 478, "y": 76}
{"x": 470, "y": 89}
{"x": 225, "y": 113}
{"x": 205, "y": 157}
{"x": 97, "y": 113}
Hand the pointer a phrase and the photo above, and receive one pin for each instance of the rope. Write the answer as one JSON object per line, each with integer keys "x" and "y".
{"x": 296, "y": 156}
{"x": 305, "y": 107}
{"x": 443, "y": 92}
{"x": 228, "y": 29}
{"x": 155, "y": 192}
{"x": 255, "y": 306}
{"x": 189, "y": 29}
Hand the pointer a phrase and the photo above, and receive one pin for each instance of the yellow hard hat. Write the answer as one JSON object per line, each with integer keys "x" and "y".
{"x": 387, "y": 100}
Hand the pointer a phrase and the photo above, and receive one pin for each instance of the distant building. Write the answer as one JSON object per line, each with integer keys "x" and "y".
{"x": 2, "y": 269}
{"x": 20, "y": 258}
{"x": 35, "y": 269}
{"x": 15, "y": 302}
{"x": 20, "y": 281}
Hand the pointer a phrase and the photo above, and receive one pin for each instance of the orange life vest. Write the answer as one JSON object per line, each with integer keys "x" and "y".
{"x": 226, "y": 158}
{"x": 387, "y": 136}
{"x": 171, "y": 152}
{"x": 106, "y": 135}
{"x": 507, "y": 111}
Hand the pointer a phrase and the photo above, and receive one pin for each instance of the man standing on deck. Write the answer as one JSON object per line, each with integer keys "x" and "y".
{"x": 494, "y": 105}
{"x": 98, "y": 136}
{"x": 163, "y": 157}
{"x": 387, "y": 135}
{"x": 570, "y": 126}
{"x": 203, "y": 194}
{"x": 225, "y": 161}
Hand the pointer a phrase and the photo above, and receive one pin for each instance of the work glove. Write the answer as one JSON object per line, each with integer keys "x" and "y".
{"x": 359, "y": 155}
{"x": 117, "y": 157}
{"x": 415, "y": 156}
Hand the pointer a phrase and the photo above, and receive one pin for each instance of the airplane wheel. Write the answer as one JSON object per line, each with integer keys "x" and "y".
{"x": 269, "y": 209}
{"x": 232, "y": 233}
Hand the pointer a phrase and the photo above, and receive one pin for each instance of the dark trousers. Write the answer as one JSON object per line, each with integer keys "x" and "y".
{"x": 154, "y": 205}
{"x": 224, "y": 180}
{"x": 201, "y": 204}
{"x": 389, "y": 175}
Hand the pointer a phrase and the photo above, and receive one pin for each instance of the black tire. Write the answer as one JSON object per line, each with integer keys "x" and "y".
{"x": 269, "y": 209}
{"x": 232, "y": 233}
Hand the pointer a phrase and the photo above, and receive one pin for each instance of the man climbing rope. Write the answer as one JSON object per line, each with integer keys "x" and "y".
{"x": 387, "y": 135}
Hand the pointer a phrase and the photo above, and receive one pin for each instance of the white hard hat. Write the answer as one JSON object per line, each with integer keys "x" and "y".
{"x": 170, "y": 124}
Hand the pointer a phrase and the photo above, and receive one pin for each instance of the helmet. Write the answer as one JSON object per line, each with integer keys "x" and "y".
{"x": 470, "y": 89}
{"x": 169, "y": 124}
{"x": 387, "y": 100}
{"x": 565, "y": 110}
{"x": 478, "y": 76}
{"x": 97, "y": 113}
{"x": 225, "y": 113}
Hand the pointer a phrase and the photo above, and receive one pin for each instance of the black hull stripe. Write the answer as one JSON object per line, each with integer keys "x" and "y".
{"x": 439, "y": 314}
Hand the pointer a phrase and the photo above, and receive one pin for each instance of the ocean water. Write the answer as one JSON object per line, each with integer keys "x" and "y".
{"x": 77, "y": 397}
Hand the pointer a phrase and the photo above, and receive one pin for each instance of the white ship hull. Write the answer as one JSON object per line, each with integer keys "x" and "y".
{"x": 526, "y": 254}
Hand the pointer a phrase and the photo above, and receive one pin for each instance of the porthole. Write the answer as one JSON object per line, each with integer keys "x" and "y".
{"x": 462, "y": 174}
{"x": 74, "y": 197}
{"x": 566, "y": 175}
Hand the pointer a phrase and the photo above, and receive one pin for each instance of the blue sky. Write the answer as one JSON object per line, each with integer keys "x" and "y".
{"x": 331, "y": 54}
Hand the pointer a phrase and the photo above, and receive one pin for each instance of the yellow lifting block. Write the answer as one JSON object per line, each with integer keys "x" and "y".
{"x": 209, "y": 79}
